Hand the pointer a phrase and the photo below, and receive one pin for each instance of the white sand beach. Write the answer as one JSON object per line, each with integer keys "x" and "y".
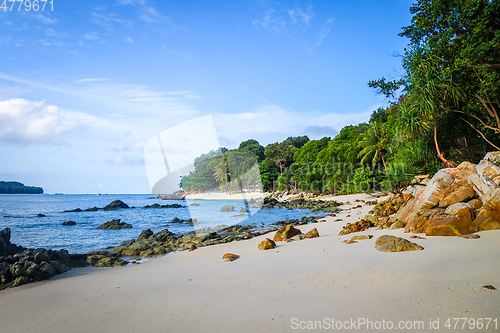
{"x": 320, "y": 279}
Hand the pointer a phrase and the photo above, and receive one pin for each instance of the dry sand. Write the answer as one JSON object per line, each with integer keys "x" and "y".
{"x": 263, "y": 291}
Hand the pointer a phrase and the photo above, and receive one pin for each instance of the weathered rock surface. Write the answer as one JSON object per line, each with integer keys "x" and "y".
{"x": 294, "y": 203}
{"x": 388, "y": 243}
{"x": 157, "y": 205}
{"x": 230, "y": 257}
{"x": 69, "y": 223}
{"x": 227, "y": 208}
{"x": 116, "y": 204}
{"x": 361, "y": 237}
{"x": 285, "y": 233}
{"x": 489, "y": 214}
{"x": 361, "y": 225}
{"x": 114, "y": 224}
{"x": 312, "y": 234}
{"x": 267, "y": 244}
{"x": 19, "y": 265}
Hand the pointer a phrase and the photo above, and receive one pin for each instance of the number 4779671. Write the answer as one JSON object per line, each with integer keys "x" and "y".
{"x": 27, "y": 5}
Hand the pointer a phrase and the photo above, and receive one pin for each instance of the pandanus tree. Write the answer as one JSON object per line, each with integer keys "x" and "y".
{"x": 430, "y": 93}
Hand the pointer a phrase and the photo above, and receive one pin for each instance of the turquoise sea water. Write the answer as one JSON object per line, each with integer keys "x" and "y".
{"x": 18, "y": 212}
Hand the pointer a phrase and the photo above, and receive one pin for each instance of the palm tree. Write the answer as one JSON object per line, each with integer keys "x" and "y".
{"x": 373, "y": 144}
{"x": 221, "y": 173}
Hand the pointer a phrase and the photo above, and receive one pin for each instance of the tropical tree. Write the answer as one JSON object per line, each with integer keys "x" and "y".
{"x": 373, "y": 144}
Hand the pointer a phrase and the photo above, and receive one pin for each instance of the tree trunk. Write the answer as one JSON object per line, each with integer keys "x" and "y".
{"x": 447, "y": 163}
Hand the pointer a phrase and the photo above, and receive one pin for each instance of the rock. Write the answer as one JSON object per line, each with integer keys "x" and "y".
{"x": 471, "y": 236}
{"x": 114, "y": 224}
{"x": 5, "y": 235}
{"x": 77, "y": 210}
{"x": 455, "y": 225}
{"x": 267, "y": 244}
{"x": 389, "y": 243}
{"x": 349, "y": 241}
{"x": 312, "y": 234}
{"x": 361, "y": 237}
{"x": 420, "y": 224}
{"x": 361, "y": 225}
{"x": 371, "y": 218}
{"x": 227, "y": 208}
{"x": 490, "y": 287}
{"x": 93, "y": 209}
{"x": 397, "y": 225}
{"x": 489, "y": 214}
{"x": 20, "y": 281}
{"x": 243, "y": 210}
{"x": 116, "y": 204}
{"x": 41, "y": 256}
{"x": 40, "y": 215}
{"x": 192, "y": 248}
{"x": 463, "y": 193}
{"x": 69, "y": 223}
{"x": 475, "y": 203}
{"x": 230, "y": 257}
{"x": 285, "y": 233}
{"x": 145, "y": 234}
{"x": 460, "y": 209}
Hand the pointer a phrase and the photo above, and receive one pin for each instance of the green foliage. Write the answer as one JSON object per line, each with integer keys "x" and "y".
{"x": 18, "y": 188}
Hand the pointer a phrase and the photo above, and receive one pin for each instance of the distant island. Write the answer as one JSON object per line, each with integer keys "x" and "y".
{"x": 18, "y": 188}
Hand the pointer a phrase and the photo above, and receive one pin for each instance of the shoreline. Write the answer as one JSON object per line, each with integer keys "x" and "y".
{"x": 187, "y": 291}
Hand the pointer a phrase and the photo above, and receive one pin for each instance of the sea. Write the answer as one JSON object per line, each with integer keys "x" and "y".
{"x": 19, "y": 213}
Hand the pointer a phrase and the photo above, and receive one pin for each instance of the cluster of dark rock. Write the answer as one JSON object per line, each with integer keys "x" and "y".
{"x": 314, "y": 205}
{"x": 114, "y": 224}
{"x": 157, "y": 205}
{"x": 149, "y": 244}
{"x": 303, "y": 220}
{"x": 181, "y": 221}
{"x": 114, "y": 205}
{"x": 20, "y": 265}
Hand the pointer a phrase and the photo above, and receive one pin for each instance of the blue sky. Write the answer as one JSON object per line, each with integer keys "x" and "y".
{"x": 83, "y": 87}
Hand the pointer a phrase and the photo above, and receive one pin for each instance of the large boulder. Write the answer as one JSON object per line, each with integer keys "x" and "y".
{"x": 312, "y": 234}
{"x": 388, "y": 243}
{"x": 227, "y": 208}
{"x": 489, "y": 214}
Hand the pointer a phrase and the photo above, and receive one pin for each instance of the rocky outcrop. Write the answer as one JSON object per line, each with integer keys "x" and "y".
{"x": 157, "y": 205}
{"x": 389, "y": 243}
{"x": 69, "y": 223}
{"x": 113, "y": 205}
{"x": 319, "y": 205}
{"x": 227, "y": 208}
{"x": 19, "y": 265}
{"x": 114, "y": 224}
{"x": 104, "y": 259}
{"x": 116, "y": 204}
{"x": 456, "y": 201}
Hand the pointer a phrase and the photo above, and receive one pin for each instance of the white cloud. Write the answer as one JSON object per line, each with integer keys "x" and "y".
{"x": 139, "y": 146}
{"x": 44, "y": 18}
{"x": 325, "y": 30}
{"x": 91, "y": 35}
{"x": 123, "y": 161}
{"x": 90, "y": 80}
{"x": 25, "y": 122}
{"x": 149, "y": 13}
{"x": 270, "y": 122}
{"x": 271, "y": 22}
{"x": 129, "y": 40}
{"x": 108, "y": 20}
{"x": 297, "y": 14}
